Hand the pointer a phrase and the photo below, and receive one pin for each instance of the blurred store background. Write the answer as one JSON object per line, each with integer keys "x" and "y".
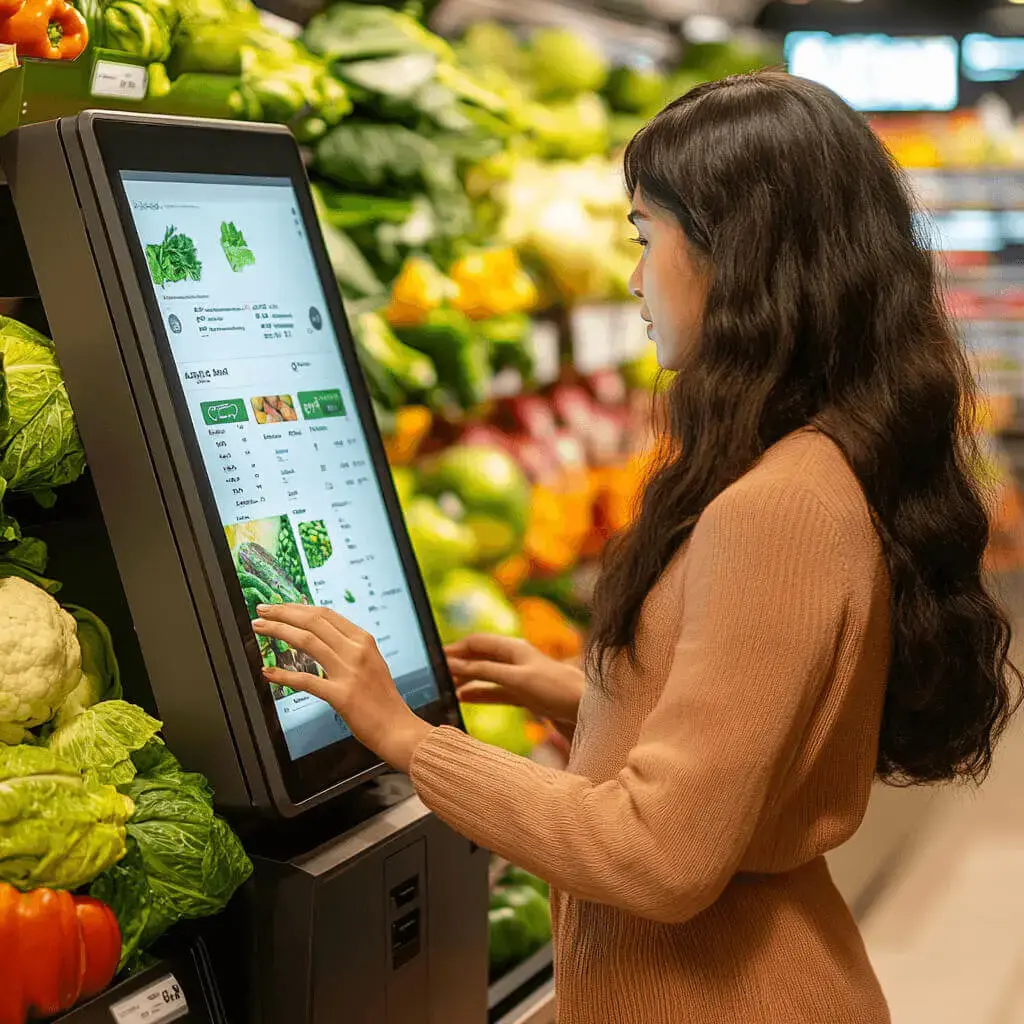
{"x": 466, "y": 161}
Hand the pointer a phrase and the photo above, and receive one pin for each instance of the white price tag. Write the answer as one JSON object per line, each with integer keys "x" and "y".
{"x": 164, "y": 1000}
{"x": 593, "y": 338}
{"x": 119, "y": 81}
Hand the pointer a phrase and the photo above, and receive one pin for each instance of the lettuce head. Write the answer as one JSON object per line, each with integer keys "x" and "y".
{"x": 101, "y": 739}
{"x": 183, "y": 860}
{"x": 39, "y": 448}
{"x": 59, "y": 828}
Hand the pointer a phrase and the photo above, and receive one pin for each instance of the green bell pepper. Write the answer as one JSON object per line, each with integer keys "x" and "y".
{"x": 458, "y": 351}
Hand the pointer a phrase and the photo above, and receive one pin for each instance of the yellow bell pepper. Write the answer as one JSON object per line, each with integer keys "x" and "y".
{"x": 492, "y": 283}
{"x": 418, "y": 290}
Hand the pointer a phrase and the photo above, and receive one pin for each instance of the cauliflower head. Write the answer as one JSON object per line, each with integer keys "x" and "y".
{"x": 40, "y": 660}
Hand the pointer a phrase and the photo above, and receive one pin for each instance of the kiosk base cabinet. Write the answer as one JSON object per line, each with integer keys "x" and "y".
{"x": 386, "y": 925}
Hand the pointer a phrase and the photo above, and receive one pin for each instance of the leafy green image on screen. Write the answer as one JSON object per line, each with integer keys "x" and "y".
{"x": 236, "y": 251}
{"x": 173, "y": 259}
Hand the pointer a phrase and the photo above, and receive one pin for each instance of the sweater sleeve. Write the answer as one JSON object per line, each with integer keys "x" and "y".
{"x": 764, "y": 594}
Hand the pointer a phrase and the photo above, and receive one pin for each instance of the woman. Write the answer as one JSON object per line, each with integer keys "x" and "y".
{"x": 798, "y": 607}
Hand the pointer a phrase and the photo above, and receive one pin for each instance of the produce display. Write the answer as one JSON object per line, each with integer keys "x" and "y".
{"x": 105, "y": 840}
{"x": 519, "y": 918}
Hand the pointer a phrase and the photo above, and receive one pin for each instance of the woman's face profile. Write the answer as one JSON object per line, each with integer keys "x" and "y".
{"x": 670, "y": 281}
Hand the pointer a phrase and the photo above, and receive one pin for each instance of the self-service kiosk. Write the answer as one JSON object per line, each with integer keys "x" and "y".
{"x": 233, "y": 450}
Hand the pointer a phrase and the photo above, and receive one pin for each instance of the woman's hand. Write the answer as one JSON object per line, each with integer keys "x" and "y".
{"x": 504, "y": 670}
{"x": 358, "y": 684}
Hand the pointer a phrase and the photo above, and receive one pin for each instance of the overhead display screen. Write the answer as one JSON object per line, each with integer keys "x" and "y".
{"x": 878, "y": 72}
{"x": 271, "y": 404}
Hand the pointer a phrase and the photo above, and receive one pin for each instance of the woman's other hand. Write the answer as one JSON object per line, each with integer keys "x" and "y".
{"x": 490, "y": 669}
{"x": 358, "y": 683}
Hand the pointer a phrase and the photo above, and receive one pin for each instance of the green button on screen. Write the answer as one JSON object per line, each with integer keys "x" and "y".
{"x": 319, "y": 405}
{"x": 227, "y": 410}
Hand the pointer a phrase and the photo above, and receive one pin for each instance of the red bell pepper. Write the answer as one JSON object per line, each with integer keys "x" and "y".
{"x": 57, "y": 948}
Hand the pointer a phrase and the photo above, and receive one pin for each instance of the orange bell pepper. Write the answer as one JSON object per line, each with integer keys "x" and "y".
{"x": 560, "y": 519}
{"x": 412, "y": 425}
{"x": 511, "y": 574}
{"x": 50, "y": 29}
{"x": 548, "y": 630}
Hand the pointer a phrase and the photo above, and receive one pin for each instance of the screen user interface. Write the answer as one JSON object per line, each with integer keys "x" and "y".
{"x": 272, "y": 408}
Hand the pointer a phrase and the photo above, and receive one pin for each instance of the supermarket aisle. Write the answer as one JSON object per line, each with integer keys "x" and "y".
{"x": 947, "y": 936}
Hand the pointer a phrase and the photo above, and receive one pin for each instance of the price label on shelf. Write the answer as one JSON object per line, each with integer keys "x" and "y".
{"x": 119, "y": 81}
{"x": 162, "y": 1001}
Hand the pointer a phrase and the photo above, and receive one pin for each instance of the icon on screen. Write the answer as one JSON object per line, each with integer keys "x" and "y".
{"x": 315, "y": 318}
{"x": 174, "y": 323}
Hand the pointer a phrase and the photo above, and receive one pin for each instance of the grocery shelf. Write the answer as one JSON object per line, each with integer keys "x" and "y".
{"x": 514, "y": 990}
{"x": 539, "y": 1009}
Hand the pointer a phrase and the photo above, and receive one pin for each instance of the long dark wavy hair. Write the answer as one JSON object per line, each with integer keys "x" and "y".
{"x": 824, "y": 309}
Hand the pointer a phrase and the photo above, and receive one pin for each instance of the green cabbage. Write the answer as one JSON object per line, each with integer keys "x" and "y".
{"x": 40, "y": 449}
{"x": 101, "y": 676}
{"x": 188, "y": 863}
{"x": 58, "y": 827}
{"x": 102, "y": 739}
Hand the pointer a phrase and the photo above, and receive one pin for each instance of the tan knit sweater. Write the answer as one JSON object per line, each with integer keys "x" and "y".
{"x": 685, "y": 843}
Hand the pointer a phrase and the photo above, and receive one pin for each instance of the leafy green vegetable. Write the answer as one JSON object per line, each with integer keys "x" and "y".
{"x": 101, "y": 740}
{"x": 40, "y": 448}
{"x": 125, "y": 889}
{"x": 101, "y": 675}
{"x": 232, "y": 241}
{"x": 376, "y": 155}
{"x": 58, "y": 827}
{"x": 354, "y": 274}
{"x": 345, "y": 209}
{"x": 291, "y": 86}
{"x": 173, "y": 259}
{"x": 352, "y": 31}
{"x": 140, "y": 27}
{"x": 401, "y": 75}
{"x": 209, "y": 47}
{"x": 27, "y": 558}
{"x": 192, "y": 860}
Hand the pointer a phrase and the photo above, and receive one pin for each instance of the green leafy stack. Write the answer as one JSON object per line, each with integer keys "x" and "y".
{"x": 180, "y": 859}
{"x": 237, "y": 252}
{"x": 173, "y": 259}
{"x": 396, "y": 166}
{"x": 39, "y": 444}
{"x": 89, "y": 795}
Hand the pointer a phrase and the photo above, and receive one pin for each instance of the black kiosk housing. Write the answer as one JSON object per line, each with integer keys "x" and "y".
{"x": 363, "y": 907}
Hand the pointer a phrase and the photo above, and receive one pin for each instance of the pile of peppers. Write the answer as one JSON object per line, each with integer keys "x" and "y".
{"x": 49, "y": 29}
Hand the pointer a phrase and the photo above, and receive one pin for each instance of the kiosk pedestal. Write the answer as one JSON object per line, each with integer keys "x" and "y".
{"x": 363, "y": 908}
{"x": 387, "y": 925}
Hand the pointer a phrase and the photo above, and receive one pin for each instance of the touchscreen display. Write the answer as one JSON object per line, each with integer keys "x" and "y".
{"x": 271, "y": 405}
